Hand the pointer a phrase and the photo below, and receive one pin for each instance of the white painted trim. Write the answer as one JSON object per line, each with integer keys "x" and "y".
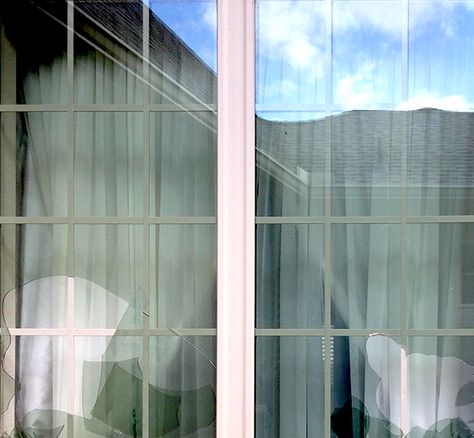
{"x": 236, "y": 213}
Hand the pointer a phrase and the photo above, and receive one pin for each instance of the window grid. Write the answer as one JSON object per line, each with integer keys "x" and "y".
{"x": 70, "y": 332}
{"x": 404, "y": 219}
{"x": 404, "y": 332}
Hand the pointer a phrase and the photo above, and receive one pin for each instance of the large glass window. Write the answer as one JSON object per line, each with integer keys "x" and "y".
{"x": 364, "y": 233}
{"x": 108, "y": 218}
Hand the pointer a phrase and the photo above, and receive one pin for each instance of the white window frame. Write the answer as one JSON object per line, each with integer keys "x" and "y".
{"x": 236, "y": 218}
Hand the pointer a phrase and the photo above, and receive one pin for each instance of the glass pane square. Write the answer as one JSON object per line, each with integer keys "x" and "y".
{"x": 108, "y": 385}
{"x": 292, "y": 53}
{"x": 183, "y": 160}
{"x": 441, "y": 384}
{"x": 367, "y": 374}
{"x": 289, "y": 387}
{"x": 34, "y": 275}
{"x": 108, "y": 283}
{"x": 290, "y": 276}
{"x": 365, "y": 262}
{"x": 33, "y": 63}
{"x": 366, "y": 163}
{"x": 183, "y": 52}
{"x": 34, "y": 163}
{"x": 183, "y": 276}
{"x": 182, "y": 392}
{"x": 440, "y": 267}
{"x": 367, "y": 54}
{"x": 108, "y": 52}
{"x": 109, "y": 164}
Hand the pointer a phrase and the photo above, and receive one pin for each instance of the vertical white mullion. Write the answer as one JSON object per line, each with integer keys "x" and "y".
{"x": 236, "y": 219}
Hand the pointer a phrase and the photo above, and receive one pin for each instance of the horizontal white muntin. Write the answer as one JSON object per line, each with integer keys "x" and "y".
{"x": 159, "y": 107}
{"x": 191, "y": 220}
{"x": 94, "y": 332}
{"x": 362, "y": 219}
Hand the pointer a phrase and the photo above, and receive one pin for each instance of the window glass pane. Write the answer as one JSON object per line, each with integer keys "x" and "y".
{"x": 440, "y": 159}
{"x": 33, "y": 172}
{"x": 366, "y": 391}
{"x": 289, "y": 387}
{"x": 108, "y": 52}
{"x": 441, "y": 385}
{"x": 183, "y": 52}
{"x": 108, "y": 284}
{"x": 183, "y": 163}
{"x": 42, "y": 369}
{"x": 182, "y": 391}
{"x": 365, "y": 261}
{"x": 108, "y": 164}
{"x": 366, "y": 163}
{"x": 440, "y": 273}
{"x": 33, "y": 63}
{"x": 441, "y": 31}
{"x": 290, "y": 276}
{"x": 183, "y": 276}
{"x": 290, "y": 158}
{"x": 108, "y": 385}
{"x": 291, "y": 52}
{"x": 367, "y": 54}
{"x": 33, "y": 280}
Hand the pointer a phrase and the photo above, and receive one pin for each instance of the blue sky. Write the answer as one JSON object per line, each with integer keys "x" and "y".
{"x": 367, "y": 52}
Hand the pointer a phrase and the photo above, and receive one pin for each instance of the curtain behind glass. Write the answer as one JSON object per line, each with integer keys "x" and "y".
{"x": 365, "y": 259}
{"x": 109, "y": 173}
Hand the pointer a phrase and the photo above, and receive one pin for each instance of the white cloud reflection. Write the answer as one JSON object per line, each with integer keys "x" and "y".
{"x": 292, "y": 47}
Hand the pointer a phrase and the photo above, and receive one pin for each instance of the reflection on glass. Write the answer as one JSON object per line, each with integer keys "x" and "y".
{"x": 289, "y": 385}
{"x": 108, "y": 57}
{"x": 290, "y": 159}
{"x": 441, "y": 379}
{"x": 41, "y": 392}
{"x": 441, "y": 31}
{"x": 367, "y": 54}
{"x": 366, "y": 163}
{"x": 108, "y": 383}
{"x": 109, "y": 164}
{"x": 440, "y": 160}
{"x": 33, "y": 157}
{"x": 33, "y": 63}
{"x": 33, "y": 281}
{"x": 291, "y": 52}
{"x": 108, "y": 283}
{"x": 183, "y": 276}
{"x": 366, "y": 391}
{"x": 290, "y": 276}
{"x": 182, "y": 392}
{"x": 183, "y": 164}
{"x": 183, "y": 52}
{"x": 440, "y": 275}
{"x": 365, "y": 261}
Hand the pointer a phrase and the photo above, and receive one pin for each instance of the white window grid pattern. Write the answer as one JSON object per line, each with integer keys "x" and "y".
{"x": 235, "y": 409}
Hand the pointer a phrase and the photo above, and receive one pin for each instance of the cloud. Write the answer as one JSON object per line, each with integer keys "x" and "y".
{"x": 364, "y": 89}
{"x": 292, "y": 33}
{"x": 425, "y": 99}
{"x": 209, "y": 16}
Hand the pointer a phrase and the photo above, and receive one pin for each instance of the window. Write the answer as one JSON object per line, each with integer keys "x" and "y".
{"x": 236, "y": 218}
